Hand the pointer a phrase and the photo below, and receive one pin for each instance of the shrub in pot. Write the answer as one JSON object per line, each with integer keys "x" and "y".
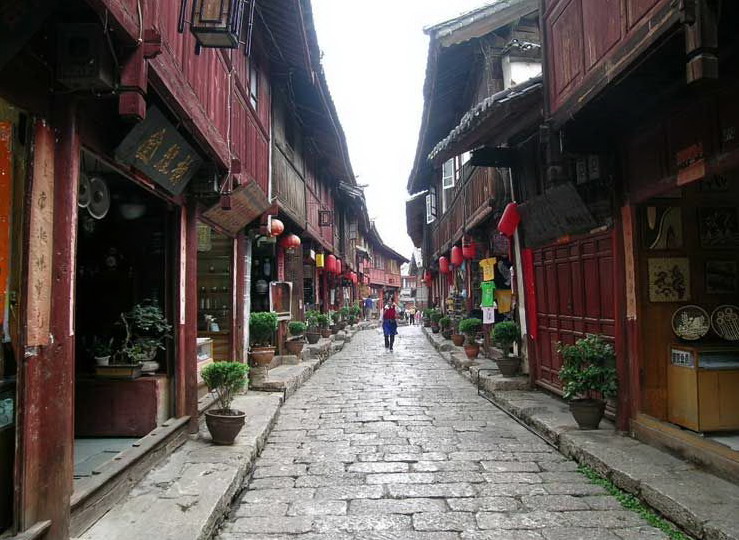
{"x": 457, "y": 335}
{"x": 343, "y": 317}
{"x": 313, "y": 333}
{"x": 445, "y": 325}
{"x": 334, "y": 318}
{"x": 101, "y": 350}
{"x": 504, "y": 335}
{"x": 427, "y": 317}
{"x": 588, "y": 367}
{"x": 295, "y": 342}
{"x": 262, "y": 326}
{"x": 323, "y": 323}
{"x": 225, "y": 380}
{"x": 470, "y": 327}
{"x": 435, "y": 318}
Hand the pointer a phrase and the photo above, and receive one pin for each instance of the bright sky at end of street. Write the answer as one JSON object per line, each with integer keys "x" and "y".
{"x": 374, "y": 55}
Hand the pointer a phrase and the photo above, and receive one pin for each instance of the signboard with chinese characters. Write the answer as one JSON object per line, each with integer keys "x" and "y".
{"x": 41, "y": 230}
{"x": 248, "y": 202}
{"x": 156, "y": 148}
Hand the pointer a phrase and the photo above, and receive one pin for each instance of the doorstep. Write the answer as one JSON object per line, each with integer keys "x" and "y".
{"x": 191, "y": 491}
{"x": 286, "y": 378}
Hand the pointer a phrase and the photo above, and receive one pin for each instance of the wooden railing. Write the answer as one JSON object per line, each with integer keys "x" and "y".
{"x": 470, "y": 202}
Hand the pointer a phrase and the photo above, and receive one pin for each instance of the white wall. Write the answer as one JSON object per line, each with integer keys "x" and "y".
{"x": 518, "y": 71}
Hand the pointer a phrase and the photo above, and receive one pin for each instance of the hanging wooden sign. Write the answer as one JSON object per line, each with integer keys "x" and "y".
{"x": 248, "y": 202}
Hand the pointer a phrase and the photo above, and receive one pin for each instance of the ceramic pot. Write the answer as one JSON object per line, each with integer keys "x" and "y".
{"x": 435, "y": 328}
{"x": 472, "y": 350}
{"x": 458, "y": 339}
{"x": 102, "y": 360}
{"x": 294, "y": 347}
{"x": 587, "y": 412}
{"x": 326, "y": 333}
{"x": 508, "y": 365}
{"x": 312, "y": 337}
{"x": 262, "y": 356}
{"x": 224, "y": 425}
{"x": 149, "y": 367}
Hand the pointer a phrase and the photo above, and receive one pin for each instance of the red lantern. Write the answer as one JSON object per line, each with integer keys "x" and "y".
{"x": 509, "y": 220}
{"x": 290, "y": 241}
{"x": 331, "y": 264}
{"x": 469, "y": 251}
{"x": 457, "y": 258}
{"x": 276, "y": 227}
{"x": 443, "y": 265}
{"x": 353, "y": 277}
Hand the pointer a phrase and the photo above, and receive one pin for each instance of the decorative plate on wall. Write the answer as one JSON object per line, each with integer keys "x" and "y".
{"x": 690, "y": 322}
{"x": 725, "y": 322}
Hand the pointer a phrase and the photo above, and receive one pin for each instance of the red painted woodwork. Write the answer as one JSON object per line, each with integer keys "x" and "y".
{"x": 575, "y": 296}
{"x": 186, "y": 397}
{"x": 601, "y": 21}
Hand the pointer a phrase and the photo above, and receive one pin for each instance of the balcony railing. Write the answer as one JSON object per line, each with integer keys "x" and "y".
{"x": 470, "y": 203}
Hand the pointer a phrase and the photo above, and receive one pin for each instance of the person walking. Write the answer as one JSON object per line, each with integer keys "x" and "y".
{"x": 412, "y": 315}
{"x": 389, "y": 325}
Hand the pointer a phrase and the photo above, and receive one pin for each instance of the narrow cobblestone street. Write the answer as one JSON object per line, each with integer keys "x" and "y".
{"x": 396, "y": 444}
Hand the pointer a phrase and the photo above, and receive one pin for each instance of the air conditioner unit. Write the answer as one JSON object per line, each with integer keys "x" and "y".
{"x": 84, "y": 60}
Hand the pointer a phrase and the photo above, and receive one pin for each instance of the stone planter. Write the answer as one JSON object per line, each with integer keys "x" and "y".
{"x": 587, "y": 412}
{"x": 458, "y": 339}
{"x": 312, "y": 337}
{"x": 508, "y": 365}
{"x": 295, "y": 346}
{"x": 262, "y": 356}
{"x": 224, "y": 425}
{"x": 472, "y": 350}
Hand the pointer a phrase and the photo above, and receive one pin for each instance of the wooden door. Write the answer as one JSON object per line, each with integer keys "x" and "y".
{"x": 574, "y": 297}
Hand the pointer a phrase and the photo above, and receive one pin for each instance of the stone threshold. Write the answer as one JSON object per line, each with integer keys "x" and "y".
{"x": 189, "y": 495}
{"x": 703, "y": 505}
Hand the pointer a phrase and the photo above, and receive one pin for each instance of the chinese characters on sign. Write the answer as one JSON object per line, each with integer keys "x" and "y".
{"x": 156, "y": 148}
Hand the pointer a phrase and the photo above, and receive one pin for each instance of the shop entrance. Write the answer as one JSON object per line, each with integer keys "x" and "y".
{"x": 124, "y": 338}
{"x": 575, "y": 296}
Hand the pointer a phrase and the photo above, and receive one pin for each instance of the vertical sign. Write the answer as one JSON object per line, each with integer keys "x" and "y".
{"x": 41, "y": 233}
{"x": 6, "y": 192}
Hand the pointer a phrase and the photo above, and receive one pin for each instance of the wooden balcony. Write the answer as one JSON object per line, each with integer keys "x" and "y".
{"x": 469, "y": 206}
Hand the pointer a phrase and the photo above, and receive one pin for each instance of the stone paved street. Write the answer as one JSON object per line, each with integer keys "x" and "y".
{"x": 398, "y": 445}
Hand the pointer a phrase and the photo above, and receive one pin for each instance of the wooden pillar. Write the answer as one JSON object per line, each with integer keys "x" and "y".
{"x": 45, "y": 458}
{"x": 241, "y": 297}
{"x": 186, "y": 402}
{"x": 629, "y": 372}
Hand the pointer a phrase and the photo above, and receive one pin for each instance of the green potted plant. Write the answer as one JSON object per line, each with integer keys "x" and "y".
{"x": 356, "y": 313}
{"x": 101, "y": 350}
{"x": 457, "y": 335}
{"x": 588, "y": 367}
{"x": 445, "y": 325}
{"x": 344, "y": 313}
{"x": 435, "y": 318}
{"x": 334, "y": 318}
{"x": 470, "y": 327}
{"x": 504, "y": 335}
{"x": 323, "y": 323}
{"x": 295, "y": 342}
{"x": 313, "y": 333}
{"x": 262, "y": 326}
{"x": 427, "y": 317}
{"x": 225, "y": 380}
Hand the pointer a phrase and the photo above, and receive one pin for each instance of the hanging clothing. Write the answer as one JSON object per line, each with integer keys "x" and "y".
{"x": 488, "y": 269}
{"x": 488, "y": 294}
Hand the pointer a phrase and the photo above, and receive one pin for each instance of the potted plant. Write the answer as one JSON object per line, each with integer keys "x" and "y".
{"x": 445, "y": 325}
{"x": 457, "y": 335}
{"x": 504, "y": 335}
{"x": 225, "y": 379}
{"x": 427, "y": 317}
{"x": 323, "y": 323}
{"x": 295, "y": 342}
{"x": 588, "y": 368}
{"x": 343, "y": 317}
{"x": 334, "y": 321}
{"x": 356, "y": 313}
{"x": 314, "y": 330}
{"x": 101, "y": 350}
{"x": 470, "y": 327}
{"x": 262, "y": 326}
{"x": 435, "y": 318}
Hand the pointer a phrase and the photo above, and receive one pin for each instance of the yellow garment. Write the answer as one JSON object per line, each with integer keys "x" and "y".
{"x": 488, "y": 269}
{"x": 504, "y": 299}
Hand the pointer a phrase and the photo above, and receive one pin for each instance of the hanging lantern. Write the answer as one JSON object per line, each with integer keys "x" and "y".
{"x": 443, "y": 265}
{"x": 456, "y": 256}
{"x": 469, "y": 251}
{"x": 320, "y": 260}
{"x": 509, "y": 220}
{"x": 331, "y": 264}
{"x": 216, "y": 23}
{"x": 276, "y": 227}
{"x": 290, "y": 241}
{"x": 353, "y": 277}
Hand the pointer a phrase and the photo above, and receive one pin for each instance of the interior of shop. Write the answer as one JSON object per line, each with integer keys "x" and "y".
{"x": 124, "y": 244}
{"x": 689, "y": 249}
{"x": 263, "y": 271}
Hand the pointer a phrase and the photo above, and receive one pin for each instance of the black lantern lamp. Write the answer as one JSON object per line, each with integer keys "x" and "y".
{"x": 215, "y": 23}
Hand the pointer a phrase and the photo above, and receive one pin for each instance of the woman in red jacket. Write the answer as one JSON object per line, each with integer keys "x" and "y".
{"x": 389, "y": 325}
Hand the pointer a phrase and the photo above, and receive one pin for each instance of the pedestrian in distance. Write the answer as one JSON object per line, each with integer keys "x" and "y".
{"x": 389, "y": 325}
{"x": 412, "y": 315}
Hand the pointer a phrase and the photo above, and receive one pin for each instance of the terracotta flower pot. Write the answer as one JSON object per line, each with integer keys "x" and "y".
{"x": 294, "y": 347}
{"x": 326, "y": 333}
{"x": 508, "y": 365}
{"x": 472, "y": 350}
{"x": 224, "y": 425}
{"x": 312, "y": 337}
{"x": 587, "y": 412}
{"x": 458, "y": 339}
{"x": 262, "y": 356}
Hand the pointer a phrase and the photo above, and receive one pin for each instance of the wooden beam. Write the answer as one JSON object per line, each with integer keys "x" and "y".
{"x": 701, "y": 41}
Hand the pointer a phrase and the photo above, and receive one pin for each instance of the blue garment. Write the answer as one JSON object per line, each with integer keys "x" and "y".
{"x": 390, "y": 327}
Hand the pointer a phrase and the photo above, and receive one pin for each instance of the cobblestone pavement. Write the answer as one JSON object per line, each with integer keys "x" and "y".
{"x": 381, "y": 444}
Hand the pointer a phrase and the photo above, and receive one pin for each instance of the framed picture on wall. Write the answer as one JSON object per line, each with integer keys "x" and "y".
{"x": 663, "y": 227}
{"x": 719, "y": 227}
{"x": 280, "y": 299}
{"x": 721, "y": 277}
{"x": 669, "y": 279}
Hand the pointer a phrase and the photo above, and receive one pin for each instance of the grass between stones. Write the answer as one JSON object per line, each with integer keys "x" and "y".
{"x": 630, "y": 502}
